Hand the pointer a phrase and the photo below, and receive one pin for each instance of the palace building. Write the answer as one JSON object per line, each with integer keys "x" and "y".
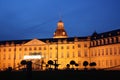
{"x": 101, "y": 48}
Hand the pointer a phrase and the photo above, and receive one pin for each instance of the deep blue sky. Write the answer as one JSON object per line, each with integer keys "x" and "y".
{"x": 28, "y": 19}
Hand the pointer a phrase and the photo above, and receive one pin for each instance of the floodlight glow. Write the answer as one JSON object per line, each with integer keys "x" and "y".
{"x": 32, "y": 57}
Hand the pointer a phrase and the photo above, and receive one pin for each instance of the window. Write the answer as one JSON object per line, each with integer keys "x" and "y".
{"x": 91, "y": 43}
{"x": 102, "y": 41}
{"x": 106, "y": 41}
{"x": 9, "y": 49}
{"x": 102, "y": 52}
{"x": 73, "y": 47}
{"x": 40, "y": 48}
{"x": 20, "y": 49}
{"x": 99, "y": 63}
{"x": 79, "y": 54}
{"x": 62, "y": 55}
{"x": 50, "y": 55}
{"x": 110, "y": 51}
{"x": 67, "y": 47}
{"x": 95, "y": 53}
{"x": 50, "y": 48}
{"x": 4, "y": 56}
{"x": 8, "y": 64}
{"x": 30, "y": 49}
{"x": 98, "y": 42}
{"x": 3, "y": 65}
{"x": 85, "y": 45}
{"x": 110, "y": 40}
{"x": 63, "y": 33}
{"x": 44, "y": 55}
{"x": 92, "y": 53}
{"x": 114, "y": 39}
{"x": 62, "y": 47}
{"x": 98, "y": 52}
{"x": 67, "y": 54}
{"x": 115, "y": 51}
{"x": 115, "y": 62}
{"x": 15, "y": 49}
{"x": 94, "y": 43}
{"x": 25, "y": 49}
{"x": 4, "y": 50}
{"x": 73, "y": 55}
{"x": 106, "y": 51}
{"x": 44, "y": 48}
{"x": 20, "y": 57}
{"x": 79, "y": 62}
{"x": 56, "y": 47}
{"x": 9, "y": 56}
{"x": 107, "y": 63}
{"x": 56, "y": 55}
{"x": 85, "y": 53}
{"x": 35, "y": 48}
{"x": 79, "y": 45}
{"x": 118, "y": 39}
{"x": 119, "y": 50}
{"x": 111, "y": 63}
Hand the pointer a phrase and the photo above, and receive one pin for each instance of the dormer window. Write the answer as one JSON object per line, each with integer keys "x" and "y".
{"x": 63, "y": 33}
{"x": 101, "y": 35}
{"x": 118, "y": 32}
{"x": 109, "y": 34}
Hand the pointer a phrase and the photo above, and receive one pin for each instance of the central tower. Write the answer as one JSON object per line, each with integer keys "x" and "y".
{"x": 60, "y": 31}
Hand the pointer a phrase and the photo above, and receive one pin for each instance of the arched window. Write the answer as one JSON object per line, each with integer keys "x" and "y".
{"x": 119, "y": 39}
{"x": 79, "y": 54}
{"x": 115, "y": 51}
{"x": 102, "y": 41}
{"x": 114, "y": 40}
{"x": 67, "y": 54}
{"x": 94, "y": 43}
{"x": 106, "y": 41}
{"x": 91, "y": 43}
{"x": 106, "y": 51}
{"x": 110, "y": 40}
{"x": 98, "y": 42}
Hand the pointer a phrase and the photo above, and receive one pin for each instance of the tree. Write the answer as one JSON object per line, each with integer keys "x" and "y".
{"x": 23, "y": 62}
{"x": 72, "y": 62}
{"x": 68, "y": 66}
{"x": 76, "y": 65}
{"x": 50, "y": 62}
{"x": 29, "y": 66}
{"x": 92, "y": 64}
{"x": 85, "y": 63}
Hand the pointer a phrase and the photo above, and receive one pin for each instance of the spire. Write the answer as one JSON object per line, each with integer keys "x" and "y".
{"x": 60, "y": 31}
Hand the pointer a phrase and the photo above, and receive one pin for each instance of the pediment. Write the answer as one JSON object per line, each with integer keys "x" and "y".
{"x": 35, "y": 42}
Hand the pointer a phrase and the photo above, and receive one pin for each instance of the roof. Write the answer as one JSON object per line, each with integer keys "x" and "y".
{"x": 105, "y": 34}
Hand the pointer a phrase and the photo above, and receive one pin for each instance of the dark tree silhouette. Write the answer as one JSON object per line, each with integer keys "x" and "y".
{"x": 92, "y": 64}
{"x": 50, "y": 62}
{"x": 47, "y": 66}
{"x": 23, "y": 62}
{"x": 85, "y": 63}
{"x": 68, "y": 66}
{"x": 9, "y": 69}
{"x": 76, "y": 65}
{"x": 29, "y": 66}
{"x": 72, "y": 62}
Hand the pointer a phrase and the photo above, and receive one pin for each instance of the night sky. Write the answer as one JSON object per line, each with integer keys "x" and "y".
{"x": 28, "y": 19}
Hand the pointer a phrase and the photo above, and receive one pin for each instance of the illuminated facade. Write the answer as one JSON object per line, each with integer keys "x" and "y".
{"x": 102, "y": 48}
